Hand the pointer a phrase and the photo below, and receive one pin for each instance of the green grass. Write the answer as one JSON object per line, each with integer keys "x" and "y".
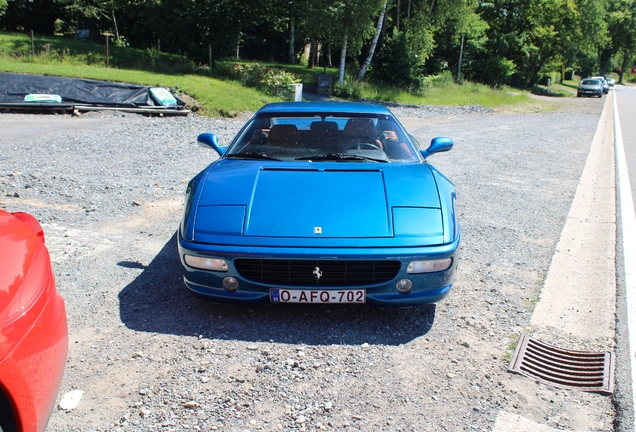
{"x": 513, "y": 340}
{"x": 217, "y": 95}
{"x": 573, "y": 84}
{"x": 555, "y": 90}
{"x": 447, "y": 92}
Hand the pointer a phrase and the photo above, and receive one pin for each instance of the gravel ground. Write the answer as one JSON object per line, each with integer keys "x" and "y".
{"x": 109, "y": 187}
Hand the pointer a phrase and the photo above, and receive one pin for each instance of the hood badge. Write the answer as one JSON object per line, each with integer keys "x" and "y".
{"x": 317, "y": 273}
{"x": 317, "y": 230}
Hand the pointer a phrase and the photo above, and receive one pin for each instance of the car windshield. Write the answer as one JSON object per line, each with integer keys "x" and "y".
{"x": 590, "y": 82}
{"x": 324, "y": 138}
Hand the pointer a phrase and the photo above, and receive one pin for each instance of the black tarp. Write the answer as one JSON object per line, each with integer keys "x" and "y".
{"x": 14, "y": 87}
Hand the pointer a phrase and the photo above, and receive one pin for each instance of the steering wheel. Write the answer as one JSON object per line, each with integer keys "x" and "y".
{"x": 364, "y": 146}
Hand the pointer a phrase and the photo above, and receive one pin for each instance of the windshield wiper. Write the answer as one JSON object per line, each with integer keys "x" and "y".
{"x": 340, "y": 157}
{"x": 251, "y": 155}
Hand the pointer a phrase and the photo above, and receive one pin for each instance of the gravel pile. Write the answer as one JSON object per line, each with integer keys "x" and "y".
{"x": 149, "y": 356}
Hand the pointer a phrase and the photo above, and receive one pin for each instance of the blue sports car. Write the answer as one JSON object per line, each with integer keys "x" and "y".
{"x": 329, "y": 202}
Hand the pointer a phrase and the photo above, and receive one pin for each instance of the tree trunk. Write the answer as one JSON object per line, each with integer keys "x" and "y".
{"x": 343, "y": 56}
{"x": 313, "y": 45}
{"x": 383, "y": 32}
{"x": 623, "y": 67}
{"x": 459, "y": 66}
{"x": 112, "y": 16}
{"x": 374, "y": 42}
{"x": 343, "y": 51}
{"x": 292, "y": 37}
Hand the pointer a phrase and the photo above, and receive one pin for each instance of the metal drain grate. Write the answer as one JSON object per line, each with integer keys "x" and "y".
{"x": 568, "y": 369}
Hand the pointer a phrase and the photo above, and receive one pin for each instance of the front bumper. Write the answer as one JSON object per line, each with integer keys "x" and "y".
{"x": 427, "y": 287}
{"x": 584, "y": 92}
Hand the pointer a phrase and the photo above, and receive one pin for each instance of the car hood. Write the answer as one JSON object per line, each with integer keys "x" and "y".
{"x": 590, "y": 86}
{"x": 334, "y": 200}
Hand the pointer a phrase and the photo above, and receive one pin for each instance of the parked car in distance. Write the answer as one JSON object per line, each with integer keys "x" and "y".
{"x": 610, "y": 81}
{"x": 321, "y": 202}
{"x": 33, "y": 327}
{"x": 603, "y": 83}
{"x": 590, "y": 87}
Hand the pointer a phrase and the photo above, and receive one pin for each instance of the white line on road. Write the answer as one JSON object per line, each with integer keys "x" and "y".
{"x": 628, "y": 218}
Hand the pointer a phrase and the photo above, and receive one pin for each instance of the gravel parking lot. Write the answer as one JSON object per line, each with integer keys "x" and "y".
{"x": 108, "y": 188}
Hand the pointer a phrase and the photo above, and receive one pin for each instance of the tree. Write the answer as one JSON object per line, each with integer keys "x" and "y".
{"x": 374, "y": 41}
{"x": 3, "y": 7}
{"x": 356, "y": 18}
{"x": 622, "y": 32}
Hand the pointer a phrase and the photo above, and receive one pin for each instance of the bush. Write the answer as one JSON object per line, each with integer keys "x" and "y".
{"x": 493, "y": 71}
{"x": 274, "y": 82}
{"x": 348, "y": 90}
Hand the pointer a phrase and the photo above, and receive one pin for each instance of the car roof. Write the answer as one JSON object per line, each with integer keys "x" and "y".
{"x": 325, "y": 107}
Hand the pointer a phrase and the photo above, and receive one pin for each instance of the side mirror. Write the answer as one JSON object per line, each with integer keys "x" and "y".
{"x": 209, "y": 140}
{"x": 438, "y": 145}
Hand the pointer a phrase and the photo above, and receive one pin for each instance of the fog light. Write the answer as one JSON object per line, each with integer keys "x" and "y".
{"x": 404, "y": 286}
{"x": 429, "y": 266}
{"x": 230, "y": 284}
{"x": 215, "y": 264}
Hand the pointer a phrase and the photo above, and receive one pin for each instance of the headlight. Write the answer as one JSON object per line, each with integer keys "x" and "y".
{"x": 429, "y": 266}
{"x": 214, "y": 264}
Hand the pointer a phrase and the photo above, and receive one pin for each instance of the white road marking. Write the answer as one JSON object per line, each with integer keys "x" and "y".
{"x": 628, "y": 219}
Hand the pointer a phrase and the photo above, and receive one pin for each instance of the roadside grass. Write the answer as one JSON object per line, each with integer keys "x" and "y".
{"x": 573, "y": 84}
{"x": 554, "y": 90}
{"x": 536, "y": 296}
{"x": 218, "y": 95}
{"x": 513, "y": 340}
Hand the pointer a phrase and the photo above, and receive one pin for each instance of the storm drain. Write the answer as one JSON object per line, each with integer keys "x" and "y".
{"x": 567, "y": 369}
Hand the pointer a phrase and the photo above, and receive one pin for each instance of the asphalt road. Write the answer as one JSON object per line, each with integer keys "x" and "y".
{"x": 626, "y": 100}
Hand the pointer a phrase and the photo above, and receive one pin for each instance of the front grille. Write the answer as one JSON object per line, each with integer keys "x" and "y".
{"x": 304, "y": 272}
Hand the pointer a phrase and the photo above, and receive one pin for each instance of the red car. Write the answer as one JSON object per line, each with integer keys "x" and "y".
{"x": 33, "y": 329}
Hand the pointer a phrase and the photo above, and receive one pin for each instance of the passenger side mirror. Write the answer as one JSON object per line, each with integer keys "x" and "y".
{"x": 438, "y": 145}
{"x": 210, "y": 140}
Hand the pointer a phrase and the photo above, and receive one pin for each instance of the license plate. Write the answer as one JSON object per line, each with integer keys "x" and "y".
{"x": 277, "y": 295}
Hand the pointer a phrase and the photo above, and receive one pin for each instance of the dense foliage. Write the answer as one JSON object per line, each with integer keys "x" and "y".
{"x": 494, "y": 42}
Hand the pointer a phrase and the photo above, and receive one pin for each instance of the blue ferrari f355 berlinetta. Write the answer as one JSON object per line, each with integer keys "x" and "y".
{"x": 329, "y": 202}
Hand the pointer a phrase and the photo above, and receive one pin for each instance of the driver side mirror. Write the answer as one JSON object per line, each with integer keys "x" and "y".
{"x": 438, "y": 145}
{"x": 210, "y": 140}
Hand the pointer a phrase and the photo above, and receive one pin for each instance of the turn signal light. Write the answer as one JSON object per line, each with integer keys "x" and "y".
{"x": 429, "y": 266}
{"x": 214, "y": 264}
